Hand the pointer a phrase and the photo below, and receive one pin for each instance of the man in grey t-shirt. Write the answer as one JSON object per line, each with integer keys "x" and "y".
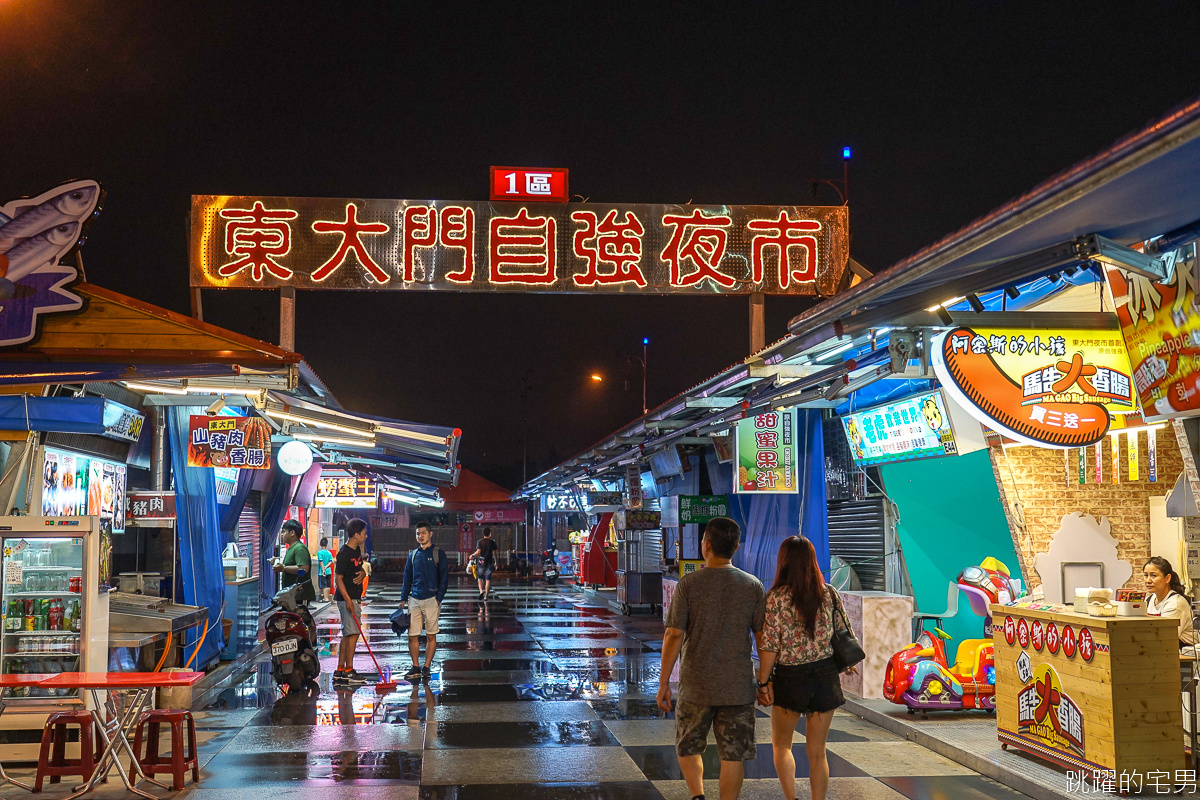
{"x": 712, "y": 614}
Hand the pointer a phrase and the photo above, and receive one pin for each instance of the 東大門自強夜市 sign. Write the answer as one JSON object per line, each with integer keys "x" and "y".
{"x": 317, "y": 243}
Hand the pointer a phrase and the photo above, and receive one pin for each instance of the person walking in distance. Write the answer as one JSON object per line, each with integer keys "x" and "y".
{"x": 325, "y": 570}
{"x": 485, "y": 550}
{"x": 348, "y": 576}
{"x": 796, "y": 671}
{"x": 714, "y": 612}
{"x": 426, "y": 576}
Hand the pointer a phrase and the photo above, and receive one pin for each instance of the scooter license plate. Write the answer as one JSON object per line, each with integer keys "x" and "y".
{"x": 286, "y": 646}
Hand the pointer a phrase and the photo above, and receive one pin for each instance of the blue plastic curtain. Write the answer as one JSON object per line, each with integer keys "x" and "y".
{"x": 230, "y": 513}
{"x": 766, "y": 520}
{"x": 202, "y": 577}
{"x": 275, "y": 506}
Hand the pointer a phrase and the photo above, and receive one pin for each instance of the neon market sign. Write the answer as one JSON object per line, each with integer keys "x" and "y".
{"x": 411, "y": 245}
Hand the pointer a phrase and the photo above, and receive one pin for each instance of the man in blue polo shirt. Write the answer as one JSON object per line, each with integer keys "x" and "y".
{"x": 426, "y": 576}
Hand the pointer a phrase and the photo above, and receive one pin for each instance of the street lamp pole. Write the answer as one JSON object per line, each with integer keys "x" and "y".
{"x": 645, "y": 356}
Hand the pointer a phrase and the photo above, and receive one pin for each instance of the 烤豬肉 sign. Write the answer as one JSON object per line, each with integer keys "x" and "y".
{"x": 1047, "y": 388}
{"x": 766, "y": 457}
{"x": 316, "y": 243}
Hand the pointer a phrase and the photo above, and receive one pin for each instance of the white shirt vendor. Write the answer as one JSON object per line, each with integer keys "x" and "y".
{"x": 1176, "y": 606}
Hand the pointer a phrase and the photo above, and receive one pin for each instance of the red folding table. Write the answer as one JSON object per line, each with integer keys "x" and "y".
{"x": 8, "y": 682}
{"x": 140, "y": 686}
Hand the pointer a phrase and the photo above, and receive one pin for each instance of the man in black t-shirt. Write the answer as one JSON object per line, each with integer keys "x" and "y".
{"x": 485, "y": 550}
{"x": 348, "y": 576}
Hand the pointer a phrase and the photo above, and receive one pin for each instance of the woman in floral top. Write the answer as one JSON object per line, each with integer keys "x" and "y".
{"x": 796, "y": 670}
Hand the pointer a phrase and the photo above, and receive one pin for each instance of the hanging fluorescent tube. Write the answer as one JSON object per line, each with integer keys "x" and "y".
{"x": 320, "y": 423}
{"x": 834, "y": 351}
{"x": 403, "y": 498}
{"x": 221, "y": 390}
{"x": 310, "y": 437}
{"x": 147, "y": 387}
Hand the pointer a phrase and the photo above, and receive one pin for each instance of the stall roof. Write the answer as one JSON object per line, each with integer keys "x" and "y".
{"x": 474, "y": 489}
{"x": 1144, "y": 186}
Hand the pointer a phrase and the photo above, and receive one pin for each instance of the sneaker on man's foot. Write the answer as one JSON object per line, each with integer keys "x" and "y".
{"x": 355, "y": 678}
{"x": 481, "y": 595}
{"x": 413, "y": 673}
{"x": 424, "y": 673}
{"x": 339, "y": 676}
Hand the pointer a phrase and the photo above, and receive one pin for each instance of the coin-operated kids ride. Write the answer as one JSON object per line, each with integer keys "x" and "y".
{"x": 921, "y": 678}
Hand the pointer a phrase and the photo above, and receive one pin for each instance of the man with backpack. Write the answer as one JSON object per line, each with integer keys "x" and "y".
{"x": 426, "y": 576}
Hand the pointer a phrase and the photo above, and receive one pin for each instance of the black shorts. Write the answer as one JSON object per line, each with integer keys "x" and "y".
{"x": 808, "y": 688}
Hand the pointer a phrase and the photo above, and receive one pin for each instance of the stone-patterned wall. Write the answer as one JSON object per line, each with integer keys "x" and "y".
{"x": 1036, "y": 477}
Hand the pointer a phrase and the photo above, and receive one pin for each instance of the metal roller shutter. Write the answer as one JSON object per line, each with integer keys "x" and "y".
{"x": 857, "y": 536}
{"x": 249, "y": 528}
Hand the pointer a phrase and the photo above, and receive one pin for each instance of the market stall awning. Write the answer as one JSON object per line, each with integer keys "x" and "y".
{"x": 1144, "y": 186}
{"x": 115, "y": 328}
{"x": 473, "y": 489}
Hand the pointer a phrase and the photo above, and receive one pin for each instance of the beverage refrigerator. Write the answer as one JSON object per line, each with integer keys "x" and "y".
{"x": 55, "y": 611}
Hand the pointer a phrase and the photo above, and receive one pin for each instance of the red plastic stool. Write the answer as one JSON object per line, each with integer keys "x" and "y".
{"x": 178, "y": 762}
{"x": 52, "y": 759}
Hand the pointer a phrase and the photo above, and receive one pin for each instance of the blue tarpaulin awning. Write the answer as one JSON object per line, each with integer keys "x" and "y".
{"x": 52, "y": 414}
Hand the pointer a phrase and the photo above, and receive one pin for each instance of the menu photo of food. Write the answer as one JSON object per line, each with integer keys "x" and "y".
{"x": 50, "y": 485}
{"x": 107, "y": 491}
{"x": 81, "y": 486}
{"x": 119, "y": 499}
{"x": 95, "y": 478}
{"x": 68, "y": 499}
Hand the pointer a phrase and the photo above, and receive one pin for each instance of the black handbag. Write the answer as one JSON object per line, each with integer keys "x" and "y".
{"x": 847, "y": 652}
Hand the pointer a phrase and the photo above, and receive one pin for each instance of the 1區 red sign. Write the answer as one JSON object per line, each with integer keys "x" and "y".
{"x": 524, "y": 183}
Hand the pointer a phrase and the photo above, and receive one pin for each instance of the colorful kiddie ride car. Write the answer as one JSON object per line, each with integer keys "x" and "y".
{"x": 921, "y": 678}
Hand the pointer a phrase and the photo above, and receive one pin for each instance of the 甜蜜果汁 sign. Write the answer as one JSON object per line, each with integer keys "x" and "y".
{"x": 765, "y": 454}
{"x": 1045, "y": 387}
{"x": 317, "y": 243}
{"x": 229, "y": 442}
{"x": 915, "y": 427}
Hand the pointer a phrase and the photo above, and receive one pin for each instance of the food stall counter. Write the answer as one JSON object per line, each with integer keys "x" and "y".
{"x": 1089, "y": 693}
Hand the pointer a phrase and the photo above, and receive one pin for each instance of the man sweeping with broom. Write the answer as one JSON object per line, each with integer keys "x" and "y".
{"x": 426, "y": 576}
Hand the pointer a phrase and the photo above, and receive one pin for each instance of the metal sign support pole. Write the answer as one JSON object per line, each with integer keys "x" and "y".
{"x": 287, "y": 318}
{"x": 758, "y": 333}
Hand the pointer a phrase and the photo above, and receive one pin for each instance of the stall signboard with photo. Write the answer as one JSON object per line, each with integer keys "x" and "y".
{"x": 1160, "y": 323}
{"x": 916, "y": 427}
{"x": 76, "y": 485}
{"x": 223, "y": 441}
{"x": 1044, "y": 387}
{"x": 346, "y": 491}
{"x": 589, "y": 248}
{"x": 122, "y": 422}
{"x": 766, "y": 456}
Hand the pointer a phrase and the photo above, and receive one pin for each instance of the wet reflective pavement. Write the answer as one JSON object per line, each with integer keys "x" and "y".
{"x": 540, "y": 693}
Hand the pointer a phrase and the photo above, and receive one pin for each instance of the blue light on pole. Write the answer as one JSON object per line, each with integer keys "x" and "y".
{"x": 645, "y": 340}
{"x": 846, "y": 153}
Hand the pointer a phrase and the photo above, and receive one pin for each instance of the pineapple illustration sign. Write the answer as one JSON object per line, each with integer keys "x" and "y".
{"x": 766, "y": 455}
{"x": 238, "y": 442}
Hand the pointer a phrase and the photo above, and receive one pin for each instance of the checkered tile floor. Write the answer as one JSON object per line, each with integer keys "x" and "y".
{"x": 538, "y": 693}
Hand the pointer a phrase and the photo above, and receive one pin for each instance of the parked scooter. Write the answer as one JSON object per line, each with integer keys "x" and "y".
{"x": 549, "y": 569}
{"x": 291, "y": 633}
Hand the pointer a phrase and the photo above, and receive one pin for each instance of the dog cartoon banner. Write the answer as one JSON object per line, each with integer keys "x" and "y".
{"x": 1044, "y": 387}
{"x": 915, "y": 427}
{"x": 36, "y": 233}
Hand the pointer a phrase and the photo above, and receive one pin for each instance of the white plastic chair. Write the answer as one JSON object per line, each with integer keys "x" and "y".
{"x": 919, "y": 617}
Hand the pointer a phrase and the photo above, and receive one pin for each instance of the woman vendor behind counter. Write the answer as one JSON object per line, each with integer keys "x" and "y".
{"x": 1166, "y": 597}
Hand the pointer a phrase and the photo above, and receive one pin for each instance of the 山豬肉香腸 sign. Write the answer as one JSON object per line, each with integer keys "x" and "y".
{"x": 1045, "y": 387}
{"x": 317, "y": 243}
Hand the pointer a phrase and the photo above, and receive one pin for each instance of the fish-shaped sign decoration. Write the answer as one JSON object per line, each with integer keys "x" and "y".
{"x": 35, "y": 234}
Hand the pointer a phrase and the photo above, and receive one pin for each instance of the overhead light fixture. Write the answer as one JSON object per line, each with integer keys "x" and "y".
{"x": 149, "y": 387}
{"x": 404, "y": 498}
{"x": 1012, "y": 291}
{"x": 279, "y": 411}
{"x": 309, "y": 437}
{"x": 976, "y": 304}
{"x": 835, "y": 351}
{"x": 192, "y": 389}
{"x": 944, "y": 316}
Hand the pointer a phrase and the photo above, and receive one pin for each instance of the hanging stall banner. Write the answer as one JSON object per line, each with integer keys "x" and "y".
{"x": 122, "y": 422}
{"x": 1161, "y": 326}
{"x": 1046, "y": 388}
{"x": 239, "y": 442}
{"x": 151, "y": 509}
{"x": 1081, "y": 453}
{"x": 466, "y": 537}
{"x": 633, "y": 486}
{"x": 915, "y": 427}
{"x": 700, "y": 509}
{"x": 637, "y": 519}
{"x": 766, "y": 458}
{"x": 1099, "y": 464}
{"x": 1132, "y": 444}
{"x": 423, "y": 245}
{"x": 603, "y": 499}
{"x": 1152, "y": 454}
{"x": 1115, "y": 454}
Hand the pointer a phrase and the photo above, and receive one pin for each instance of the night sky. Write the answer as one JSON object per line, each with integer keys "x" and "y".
{"x": 951, "y": 108}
